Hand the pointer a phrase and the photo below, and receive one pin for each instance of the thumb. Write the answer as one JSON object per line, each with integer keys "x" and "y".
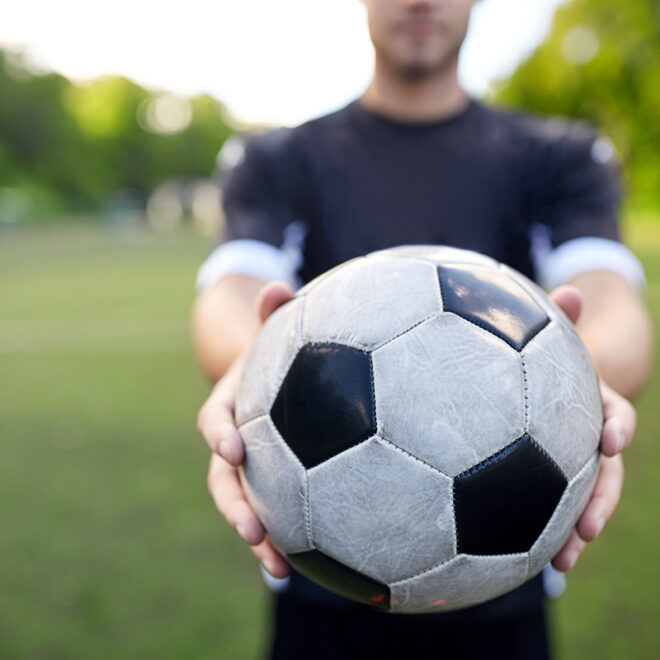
{"x": 272, "y": 296}
{"x": 569, "y": 300}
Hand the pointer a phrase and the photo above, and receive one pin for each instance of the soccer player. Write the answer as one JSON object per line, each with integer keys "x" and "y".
{"x": 414, "y": 160}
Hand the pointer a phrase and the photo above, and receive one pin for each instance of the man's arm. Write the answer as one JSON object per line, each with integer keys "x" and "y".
{"x": 616, "y": 329}
{"x": 224, "y": 322}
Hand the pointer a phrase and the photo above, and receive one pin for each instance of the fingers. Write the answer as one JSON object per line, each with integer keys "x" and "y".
{"x": 225, "y": 488}
{"x": 569, "y": 300}
{"x": 620, "y": 420}
{"x": 604, "y": 498}
{"x": 215, "y": 420}
{"x": 270, "y": 559}
{"x": 272, "y": 296}
{"x": 568, "y": 555}
{"x": 600, "y": 508}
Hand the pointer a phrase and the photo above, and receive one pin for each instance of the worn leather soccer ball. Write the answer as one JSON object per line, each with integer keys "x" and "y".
{"x": 421, "y": 429}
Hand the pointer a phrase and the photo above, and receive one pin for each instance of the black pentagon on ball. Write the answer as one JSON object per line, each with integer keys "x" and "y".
{"x": 325, "y": 404}
{"x": 341, "y": 579}
{"x": 503, "y": 503}
{"x": 492, "y": 300}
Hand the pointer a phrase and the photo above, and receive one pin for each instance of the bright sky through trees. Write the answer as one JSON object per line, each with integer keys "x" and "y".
{"x": 275, "y": 62}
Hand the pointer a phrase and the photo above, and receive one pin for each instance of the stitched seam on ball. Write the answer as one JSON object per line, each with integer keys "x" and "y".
{"x": 403, "y": 332}
{"x": 452, "y": 560}
{"x": 383, "y": 440}
{"x": 374, "y": 415}
{"x": 552, "y": 460}
{"x": 491, "y": 331}
{"x": 301, "y": 327}
{"x": 457, "y": 544}
{"x": 493, "y": 458}
{"x": 308, "y": 514}
{"x": 525, "y": 393}
{"x": 529, "y": 563}
{"x": 251, "y": 419}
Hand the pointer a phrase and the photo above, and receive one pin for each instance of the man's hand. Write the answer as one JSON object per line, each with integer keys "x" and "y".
{"x": 216, "y": 423}
{"x": 619, "y": 421}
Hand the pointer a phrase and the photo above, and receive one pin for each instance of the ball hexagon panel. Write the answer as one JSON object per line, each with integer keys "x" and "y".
{"x": 381, "y": 512}
{"x": 564, "y": 518}
{"x": 439, "y": 254}
{"x": 492, "y": 300}
{"x": 323, "y": 276}
{"x": 565, "y": 413}
{"x": 266, "y": 366}
{"x": 341, "y": 579}
{"x": 279, "y": 504}
{"x": 504, "y": 503}
{"x": 459, "y": 583}
{"x": 325, "y": 403}
{"x": 477, "y": 403}
{"x": 356, "y": 304}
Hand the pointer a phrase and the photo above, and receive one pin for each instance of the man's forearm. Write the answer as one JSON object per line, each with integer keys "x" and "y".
{"x": 224, "y": 322}
{"x": 616, "y": 329}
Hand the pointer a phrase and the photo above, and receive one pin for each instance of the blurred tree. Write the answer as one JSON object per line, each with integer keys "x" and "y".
{"x": 601, "y": 62}
{"x": 85, "y": 142}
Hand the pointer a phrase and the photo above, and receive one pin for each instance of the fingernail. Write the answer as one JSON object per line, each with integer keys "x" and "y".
{"x": 230, "y": 432}
{"x": 223, "y": 450}
{"x": 572, "y": 559}
{"x": 240, "y": 530}
{"x": 620, "y": 440}
{"x": 600, "y": 524}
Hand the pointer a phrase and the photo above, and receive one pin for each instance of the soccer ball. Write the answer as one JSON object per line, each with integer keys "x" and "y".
{"x": 421, "y": 429}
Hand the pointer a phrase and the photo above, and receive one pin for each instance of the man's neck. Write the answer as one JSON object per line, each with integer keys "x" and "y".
{"x": 418, "y": 100}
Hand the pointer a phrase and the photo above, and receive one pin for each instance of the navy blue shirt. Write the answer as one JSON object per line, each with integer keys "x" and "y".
{"x": 480, "y": 180}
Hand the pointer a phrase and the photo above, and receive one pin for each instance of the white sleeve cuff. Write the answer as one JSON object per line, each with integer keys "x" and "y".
{"x": 256, "y": 259}
{"x": 580, "y": 255}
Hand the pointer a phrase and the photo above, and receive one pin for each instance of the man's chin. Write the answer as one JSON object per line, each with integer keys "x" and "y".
{"x": 414, "y": 71}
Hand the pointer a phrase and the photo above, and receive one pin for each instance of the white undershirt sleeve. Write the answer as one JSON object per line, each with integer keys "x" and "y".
{"x": 256, "y": 259}
{"x": 555, "y": 266}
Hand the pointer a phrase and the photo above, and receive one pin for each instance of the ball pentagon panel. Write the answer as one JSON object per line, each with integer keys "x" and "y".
{"x": 492, "y": 300}
{"x": 341, "y": 579}
{"x": 326, "y": 402}
{"x": 499, "y": 508}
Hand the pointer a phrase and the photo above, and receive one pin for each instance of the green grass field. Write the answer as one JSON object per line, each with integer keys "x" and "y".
{"x": 109, "y": 544}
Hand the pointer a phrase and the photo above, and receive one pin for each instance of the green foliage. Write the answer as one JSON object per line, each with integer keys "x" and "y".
{"x": 84, "y": 143}
{"x": 601, "y": 62}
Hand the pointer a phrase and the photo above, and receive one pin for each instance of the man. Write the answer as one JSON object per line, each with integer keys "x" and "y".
{"x": 415, "y": 161}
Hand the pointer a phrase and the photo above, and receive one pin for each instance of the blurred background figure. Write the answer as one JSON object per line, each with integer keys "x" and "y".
{"x": 110, "y": 159}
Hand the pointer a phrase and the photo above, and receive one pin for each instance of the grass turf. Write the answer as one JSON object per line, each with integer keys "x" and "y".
{"x": 110, "y": 545}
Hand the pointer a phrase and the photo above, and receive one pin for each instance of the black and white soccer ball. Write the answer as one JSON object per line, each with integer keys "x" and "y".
{"x": 421, "y": 429}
